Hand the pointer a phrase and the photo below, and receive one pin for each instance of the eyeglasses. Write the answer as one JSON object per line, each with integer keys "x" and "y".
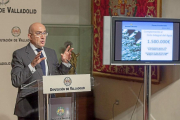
{"x": 39, "y": 34}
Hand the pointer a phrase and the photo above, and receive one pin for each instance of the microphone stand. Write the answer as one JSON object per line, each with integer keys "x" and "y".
{"x": 75, "y": 117}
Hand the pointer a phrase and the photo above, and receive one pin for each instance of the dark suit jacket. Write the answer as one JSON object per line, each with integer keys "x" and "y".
{"x": 27, "y": 104}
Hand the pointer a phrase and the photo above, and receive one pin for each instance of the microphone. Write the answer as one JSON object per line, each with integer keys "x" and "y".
{"x": 49, "y": 72}
{"x": 72, "y": 66}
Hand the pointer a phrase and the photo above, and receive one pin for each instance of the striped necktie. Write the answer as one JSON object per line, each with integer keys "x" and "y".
{"x": 42, "y": 63}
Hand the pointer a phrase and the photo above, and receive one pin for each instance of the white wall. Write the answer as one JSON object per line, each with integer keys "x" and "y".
{"x": 170, "y": 8}
{"x": 164, "y": 105}
{"x": 165, "y": 98}
{"x": 66, "y": 12}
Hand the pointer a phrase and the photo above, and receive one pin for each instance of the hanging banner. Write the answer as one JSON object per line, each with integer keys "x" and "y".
{"x": 16, "y": 17}
{"x": 132, "y": 8}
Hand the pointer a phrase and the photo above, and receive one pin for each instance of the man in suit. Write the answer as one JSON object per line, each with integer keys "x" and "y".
{"x": 30, "y": 63}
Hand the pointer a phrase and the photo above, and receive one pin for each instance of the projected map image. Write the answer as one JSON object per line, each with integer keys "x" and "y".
{"x": 131, "y": 44}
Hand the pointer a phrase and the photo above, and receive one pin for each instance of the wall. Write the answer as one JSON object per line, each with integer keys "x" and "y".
{"x": 170, "y": 9}
{"x": 164, "y": 105}
{"x": 106, "y": 91}
{"x": 165, "y": 97}
{"x": 66, "y": 12}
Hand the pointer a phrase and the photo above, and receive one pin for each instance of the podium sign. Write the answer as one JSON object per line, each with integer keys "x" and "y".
{"x": 66, "y": 83}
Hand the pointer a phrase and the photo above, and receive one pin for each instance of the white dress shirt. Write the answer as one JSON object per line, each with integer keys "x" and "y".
{"x": 43, "y": 52}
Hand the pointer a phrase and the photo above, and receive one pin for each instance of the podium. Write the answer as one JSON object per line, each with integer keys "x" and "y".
{"x": 51, "y": 107}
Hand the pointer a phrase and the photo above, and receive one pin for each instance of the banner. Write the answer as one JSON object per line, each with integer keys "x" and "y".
{"x": 16, "y": 17}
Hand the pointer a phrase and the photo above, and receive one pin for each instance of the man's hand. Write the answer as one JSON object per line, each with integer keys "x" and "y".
{"x": 37, "y": 59}
{"x": 66, "y": 55}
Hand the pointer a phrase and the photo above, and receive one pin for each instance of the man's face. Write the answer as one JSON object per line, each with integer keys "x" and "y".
{"x": 36, "y": 35}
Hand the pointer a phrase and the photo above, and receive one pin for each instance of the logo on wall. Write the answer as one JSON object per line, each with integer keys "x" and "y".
{"x": 3, "y": 2}
{"x": 16, "y": 31}
{"x": 67, "y": 81}
{"x": 60, "y": 111}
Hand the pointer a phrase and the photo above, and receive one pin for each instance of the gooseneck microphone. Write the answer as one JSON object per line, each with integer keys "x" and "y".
{"x": 72, "y": 66}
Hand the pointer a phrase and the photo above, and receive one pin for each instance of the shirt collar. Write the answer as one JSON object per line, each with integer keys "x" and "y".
{"x": 34, "y": 48}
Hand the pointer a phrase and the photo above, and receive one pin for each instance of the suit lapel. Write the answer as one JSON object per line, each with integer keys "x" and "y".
{"x": 31, "y": 55}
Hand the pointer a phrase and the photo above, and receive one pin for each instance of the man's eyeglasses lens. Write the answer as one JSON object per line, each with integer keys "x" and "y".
{"x": 40, "y": 34}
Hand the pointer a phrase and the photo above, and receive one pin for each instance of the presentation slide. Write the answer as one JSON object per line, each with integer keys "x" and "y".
{"x": 156, "y": 45}
{"x": 147, "y": 40}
